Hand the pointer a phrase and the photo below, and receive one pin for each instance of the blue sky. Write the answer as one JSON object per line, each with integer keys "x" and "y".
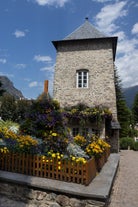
{"x": 28, "y": 27}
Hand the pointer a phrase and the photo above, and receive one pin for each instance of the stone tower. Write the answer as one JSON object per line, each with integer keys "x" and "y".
{"x": 84, "y": 71}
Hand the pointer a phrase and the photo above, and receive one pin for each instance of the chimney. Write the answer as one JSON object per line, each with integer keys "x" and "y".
{"x": 46, "y": 86}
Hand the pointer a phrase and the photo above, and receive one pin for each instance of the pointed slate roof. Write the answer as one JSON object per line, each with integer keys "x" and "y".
{"x": 85, "y": 31}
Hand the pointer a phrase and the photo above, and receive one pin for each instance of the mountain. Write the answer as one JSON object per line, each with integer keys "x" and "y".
{"x": 7, "y": 85}
{"x": 9, "y": 88}
{"x": 129, "y": 94}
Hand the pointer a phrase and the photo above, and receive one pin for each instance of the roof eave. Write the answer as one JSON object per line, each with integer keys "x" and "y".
{"x": 114, "y": 42}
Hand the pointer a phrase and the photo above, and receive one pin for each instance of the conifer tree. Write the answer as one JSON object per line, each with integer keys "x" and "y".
{"x": 1, "y": 90}
{"x": 8, "y": 107}
{"x": 135, "y": 109}
{"x": 123, "y": 113}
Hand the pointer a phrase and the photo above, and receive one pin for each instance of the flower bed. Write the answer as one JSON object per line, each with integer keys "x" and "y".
{"x": 56, "y": 156}
{"x": 47, "y": 167}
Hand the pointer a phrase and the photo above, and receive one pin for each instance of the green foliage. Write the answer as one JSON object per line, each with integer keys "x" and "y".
{"x": 83, "y": 114}
{"x": 8, "y": 108}
{"x": 75, "y": 150}
{"x": 123, "y": 112}
{"x": 16, "y": 142}
{"x": 136, "y": 146}
{"x": 44, "y": 116}
{"x": 9, "y": 125}
{"x": 132, "y": 132}
{"x": 1, "y": 90}
{"x": 126, "y": 142}
{"x": 135, "y": 109}
{"x": 22, "y": 107}
{"x": 56, "y": 142}
{"x": 12, "y": 109}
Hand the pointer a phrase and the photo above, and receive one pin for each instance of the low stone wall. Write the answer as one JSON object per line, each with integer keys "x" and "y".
{"x": 31, "y": 197}
{"x": 18, "y": 190}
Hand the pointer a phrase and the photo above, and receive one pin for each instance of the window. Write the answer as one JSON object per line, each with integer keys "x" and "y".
{"x": 82, "y": 79}
{"x": 75, "y": 131}
{"x": 81, "y": 131}
{"x": 85, "y": 132}
{"x": 96, "y": 131}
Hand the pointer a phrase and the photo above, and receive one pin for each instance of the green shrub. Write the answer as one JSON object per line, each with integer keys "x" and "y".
{"x": 126, "y": 142}
{"x": 136, "y": 146}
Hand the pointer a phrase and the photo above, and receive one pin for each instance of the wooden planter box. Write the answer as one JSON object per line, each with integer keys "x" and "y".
{"x": 106, "y": 154}
{"x": 100, "y": 161}
{"x": 35, "y": 165}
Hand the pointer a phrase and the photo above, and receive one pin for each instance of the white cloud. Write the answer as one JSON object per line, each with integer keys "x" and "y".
{"x": 3, "y": 60}
{"x": 121, "y": 35}
{"x": 127, "y": 60}
{"x": 127, "y": 67}
{"x": 7, "y": 74}
{"x": 27, "y": 79}
{"x": 40, "y": 58}
{"x": 33, "y": 84}
{"x": 101, "y": 1}
{"x": 47, "y": 68}
{"x": 20, "y": 66}
{"x": 19, "y": 33}
{"x": 135, "y": 29}
{"x": 127, "y": 46}
{"x": 106, "y": 18}
{"x": 59, "y": 3}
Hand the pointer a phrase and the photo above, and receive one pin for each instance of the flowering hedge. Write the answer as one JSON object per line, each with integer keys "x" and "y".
{"x": 83, "y": 113}
{"x": 82, "y": 151}
{"x": 44, "y": 116}
{"x": 47, "y": 121}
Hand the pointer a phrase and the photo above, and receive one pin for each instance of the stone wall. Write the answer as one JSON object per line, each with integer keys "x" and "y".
{"x": 12, "y": 195}
{"x": 97, "y": 58}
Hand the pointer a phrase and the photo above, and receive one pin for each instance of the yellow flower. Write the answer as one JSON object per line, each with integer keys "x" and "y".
{"x": 59, "y": 167}
{"x": 54, "y": 134}
{"x": 1, "y": 150}
{"x": 73, "y": 158}
{"x": 43, "y": 157}
{"x": 53, "y": 155}
{"x": 84, "y": 161}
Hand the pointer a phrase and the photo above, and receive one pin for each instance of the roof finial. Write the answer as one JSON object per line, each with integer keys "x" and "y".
{"x": 86, "y": 18}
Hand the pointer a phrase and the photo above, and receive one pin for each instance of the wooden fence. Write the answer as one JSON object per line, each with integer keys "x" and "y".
{"x": 46, "y": 167}
{"x": 102, "y": 159}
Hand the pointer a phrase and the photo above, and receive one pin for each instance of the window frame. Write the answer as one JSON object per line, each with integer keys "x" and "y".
{"x": 75, "y": 131}
{"x": 82, "y": 78}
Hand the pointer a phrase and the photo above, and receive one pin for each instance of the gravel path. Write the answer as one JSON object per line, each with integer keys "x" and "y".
{"x": 125, "y": 189}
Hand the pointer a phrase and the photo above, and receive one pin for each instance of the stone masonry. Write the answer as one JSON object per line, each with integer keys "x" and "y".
{"x": 95, "y": 56}
{"x": 12, "y": 195}
{"x": 86, "y": 49}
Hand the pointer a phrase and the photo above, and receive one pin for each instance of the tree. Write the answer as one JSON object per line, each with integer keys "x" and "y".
{"x": 135, "y": 109}
{"x": 1, "y": 90}
{"x": 22, "y": 108}
{"x": 8, "y": 108}
{"x": 123, "y": 112}
{"x": 44, "y": 116}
